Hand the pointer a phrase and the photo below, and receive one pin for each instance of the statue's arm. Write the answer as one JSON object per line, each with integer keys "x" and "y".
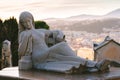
{"x": 58, "y": 35}
{"x": 23, "y": 39}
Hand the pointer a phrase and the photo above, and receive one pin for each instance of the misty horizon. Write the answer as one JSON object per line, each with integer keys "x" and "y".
{"x": 42, "y": 9}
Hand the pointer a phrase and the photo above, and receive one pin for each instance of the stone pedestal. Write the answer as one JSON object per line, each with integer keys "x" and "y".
{"x": 25, "y": 63}
{"x": 14, "y": 73}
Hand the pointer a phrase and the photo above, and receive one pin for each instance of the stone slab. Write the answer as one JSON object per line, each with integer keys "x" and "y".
{"x": 14, "y": 74}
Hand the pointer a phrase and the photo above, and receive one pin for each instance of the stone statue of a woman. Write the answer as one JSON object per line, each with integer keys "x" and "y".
{"x": 34, "y": 51}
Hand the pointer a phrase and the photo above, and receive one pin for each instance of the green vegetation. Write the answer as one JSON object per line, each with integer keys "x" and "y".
{"x": 9, "y": 31}
{"x": 41, "y": 24}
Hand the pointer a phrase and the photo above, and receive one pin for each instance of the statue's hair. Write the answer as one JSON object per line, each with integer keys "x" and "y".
{"x": 22, "y": 16}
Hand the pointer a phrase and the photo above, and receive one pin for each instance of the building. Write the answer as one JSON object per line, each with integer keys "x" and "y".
{"x": 108, "y": 49}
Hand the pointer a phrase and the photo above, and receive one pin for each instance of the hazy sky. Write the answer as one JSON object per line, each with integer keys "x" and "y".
{"x": 56, "y": 8}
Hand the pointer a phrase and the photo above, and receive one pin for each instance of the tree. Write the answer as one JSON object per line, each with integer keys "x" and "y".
{"x": 41, "y": 24}
{"x": 1, "y": 36}
{"x": 10, "y": 32}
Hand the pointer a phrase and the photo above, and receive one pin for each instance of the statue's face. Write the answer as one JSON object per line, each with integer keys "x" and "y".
{"x": 27, "y": 23}
{"x": 5, "y": 46}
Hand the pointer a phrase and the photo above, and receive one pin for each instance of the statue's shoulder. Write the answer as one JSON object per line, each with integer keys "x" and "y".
{"x": 24, "y": 33}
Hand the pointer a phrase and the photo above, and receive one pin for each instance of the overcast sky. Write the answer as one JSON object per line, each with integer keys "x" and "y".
{"x": 42, "y": 9}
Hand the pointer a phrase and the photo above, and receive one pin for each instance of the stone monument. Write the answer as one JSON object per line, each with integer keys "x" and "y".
{"x": 35, "y": 53}
{"x": 6, "y": 54}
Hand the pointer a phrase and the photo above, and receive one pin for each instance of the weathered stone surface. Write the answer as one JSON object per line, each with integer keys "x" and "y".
{"x": 6, "y": 54}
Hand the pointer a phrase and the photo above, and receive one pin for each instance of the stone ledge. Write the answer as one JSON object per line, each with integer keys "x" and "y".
{"x": 14, "y": 74}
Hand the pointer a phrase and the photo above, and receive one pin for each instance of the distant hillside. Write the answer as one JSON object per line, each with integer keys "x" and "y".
{"x": 83, "y": 17}
{"x": 89, "y": 23}
{"x": 95, "y": 26}
{"x": 115, "y": 13}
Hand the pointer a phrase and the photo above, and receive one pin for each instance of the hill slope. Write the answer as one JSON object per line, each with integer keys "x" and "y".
{"x": 89, "y": 23}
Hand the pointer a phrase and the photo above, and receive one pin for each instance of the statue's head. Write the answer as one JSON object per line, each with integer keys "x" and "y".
{"x": 6, "y": 45}
{"x": 26, "y": 21}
